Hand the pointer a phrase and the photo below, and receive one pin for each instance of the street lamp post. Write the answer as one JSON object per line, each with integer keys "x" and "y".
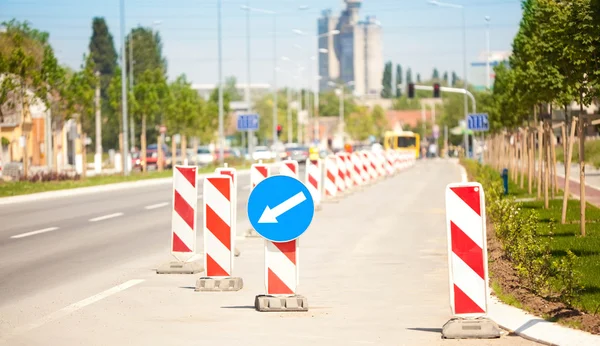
{"x": 220, "y": 68}
{"x": 487, "y": 59}
{"x": 124, "y": 93}
{"x": 462, "y": 8}
{"x": 341, "y": 95}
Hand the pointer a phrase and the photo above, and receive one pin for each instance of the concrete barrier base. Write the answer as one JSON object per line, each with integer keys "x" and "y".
{"x": 205, "y": 284}
{"x": 480, "y": 328}
{"x": 251, "y": 233}
{"x": 180, "y": 268}
{"x": 266, "y": 303}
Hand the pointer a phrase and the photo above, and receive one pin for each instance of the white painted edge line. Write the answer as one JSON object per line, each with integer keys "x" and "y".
{"x": 105, "y": 217}
{"x": 44, "y": 230}
{"x": 157, "y": 205}
{"x": 74, "y": 307}
{"x": 94, "y": 189}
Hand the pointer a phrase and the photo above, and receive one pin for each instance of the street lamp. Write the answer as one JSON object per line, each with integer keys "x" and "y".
{"x": 289, "y": 108}
{"x": 123, "y": 92}
{"x": 487, "y": 60}
{"x": 462, "y": 8}
{"x": 341, "y": 95}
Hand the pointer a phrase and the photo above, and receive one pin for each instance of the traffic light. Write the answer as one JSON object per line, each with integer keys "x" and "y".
{"x": 278, "y": 130}
{"x": 436, "y": 90}
{"x": 411, "y": 90}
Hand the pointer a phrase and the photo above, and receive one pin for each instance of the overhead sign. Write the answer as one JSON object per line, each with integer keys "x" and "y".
{"x": 280, "y": 208}
{"x": 478, "y": 122}
{"x": 247, "y": 122}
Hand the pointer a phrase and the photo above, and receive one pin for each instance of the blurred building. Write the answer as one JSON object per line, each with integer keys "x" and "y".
{"x": 355, "y": 54}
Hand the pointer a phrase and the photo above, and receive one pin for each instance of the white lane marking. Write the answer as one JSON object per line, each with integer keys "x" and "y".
{"x": 23, "y": 235}
{"x": 105, "y": 217}
{"x": 73, "y": 307}
{"x": 154, "y": 206}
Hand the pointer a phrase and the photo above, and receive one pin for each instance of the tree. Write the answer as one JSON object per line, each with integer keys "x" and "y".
{"x": 231, "y": 89}
{"x": 418, "y": 78}
{"x": 359, "y": 124}
{"x": 409, "y": 76}
{"x": 454, "y": 79}
{"x": 147, "y": 52}
{"x": 386, "y": 81}
{"x": 398, "y": 80}
{"x": 151, "y": 97}
{"x": 436, "y": 75}
{"x": 380, "y": 122}
{"x": 80, "y": 100}
{"x": 445, "y": 78}
{"x": 103, "y": 53}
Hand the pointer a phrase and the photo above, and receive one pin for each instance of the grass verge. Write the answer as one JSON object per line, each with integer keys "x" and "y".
{"x": 545, "y": 267}
{"x": 17, "y": 188}
{"x": 592, "y": 153}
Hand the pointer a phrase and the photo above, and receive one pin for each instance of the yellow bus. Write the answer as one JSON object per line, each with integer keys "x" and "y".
{"x": 404, "y": 141}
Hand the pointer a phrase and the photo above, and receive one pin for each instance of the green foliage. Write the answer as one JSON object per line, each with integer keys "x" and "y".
{"x": 398, "y": 80}
{"x": 102, "y": 50}
{"x": 230, "y": 89}
{"x": 454, "y": 79}
{"x": 80, "y": 99}
{"x": 147, "y": 52}
{"x": 418, "y": 78}
{"x": 186, "y": 112}
{"x": 409, "y": 76}
{"x": 436, "y": 75}
{"x": 386, "y": 81}
{"x": 445, "y": 78}
{"x": 329, "y": 104}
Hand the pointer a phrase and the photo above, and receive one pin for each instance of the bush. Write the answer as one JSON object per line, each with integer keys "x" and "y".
{"x": 518, "y": 233}
{"x": 50, "y": 176}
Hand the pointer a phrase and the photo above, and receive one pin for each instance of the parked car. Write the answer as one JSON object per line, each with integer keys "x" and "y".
{"x": 152, "y": 156}
{"x": 136, "y": 161}
{"x": 262, "y": 153}
{"x": 205, "y": 157}
{"x": 299, "y": 154}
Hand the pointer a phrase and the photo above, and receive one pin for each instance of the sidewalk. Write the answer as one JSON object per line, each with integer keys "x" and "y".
{"x": 592, "y": 182}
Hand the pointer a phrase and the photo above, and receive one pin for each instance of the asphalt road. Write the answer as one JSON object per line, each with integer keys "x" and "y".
{"x": 373, "y": 267}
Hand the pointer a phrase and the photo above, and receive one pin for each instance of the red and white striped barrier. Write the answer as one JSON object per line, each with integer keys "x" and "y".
{"x": 281, "y": 267}
{"x": 258, "y": 173}
{"x": 231, "y": 172}
{"x": 467, "y": 249}
{"x": 218, "y": 235}
{"x": 331, "y": 177}
{"x": 369, "y": 166}
{"x": 357, "y": 166}
{"x": 289, "y": 168}
{"x": 340, "y": 180}
{"x": 349, "y": 170}
{"x": 380, "y": 163}
{"x": 387, "y": 157}
{"x": 313, "y": 180}
{"x": 183, "y": 219}
{"x": 281, "y": 259}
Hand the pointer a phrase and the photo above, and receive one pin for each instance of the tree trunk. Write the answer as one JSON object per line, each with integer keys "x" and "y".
{"x": 531, "y": 164}
{"x": 523, "y": 165}
{"x": 160, "y": 153}
{"x": 546, "y": 163}
{"x": 553, "y": 163}
{"x": 568, "y": 170}
{"x": 143, "y": 145}
{"x": 582, "y": 165}
{"x": 540, "y": 163}
{"x": 83, "y": 156}
{"x": 173, "y": 152}
{"x": 195, "y": 148}
{"x": 183, "y": 149}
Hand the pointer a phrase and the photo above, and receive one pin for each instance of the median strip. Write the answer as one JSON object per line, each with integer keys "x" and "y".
{"x": 23, "y": 235}
{"x": 105, "y": 217}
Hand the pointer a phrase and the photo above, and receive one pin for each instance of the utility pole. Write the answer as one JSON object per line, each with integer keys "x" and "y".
{"x": 277, "y": 157}
{"x": 132, "y": 124}
{"x": 125, "y": 150}
{"x": 221, "y": 131}
{"x": 248, "y": 96}
{"x": 98, "y": 156}
{"x": 487, "y": 60}
{"x": 290, "y": 131}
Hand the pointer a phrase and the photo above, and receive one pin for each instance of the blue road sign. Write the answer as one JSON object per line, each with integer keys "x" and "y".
{"x": 247, "y": 122}
{"x": 280, "y": 208}
{"x": 478, "y": 122}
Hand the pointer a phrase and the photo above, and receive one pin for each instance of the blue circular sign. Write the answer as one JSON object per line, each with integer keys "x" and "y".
{"x": 280, "y": 208}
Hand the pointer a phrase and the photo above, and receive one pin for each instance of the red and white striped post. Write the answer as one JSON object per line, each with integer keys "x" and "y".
{"x": 218, "y": 236}
{"x": 467, "y": 249}
{"x": 183, "y": 223}
{"x": 313, "y": 180}
{"x": 357, "y": 168}
{"x": 233, "y": 174}
{"x": 371, "y": 166}
{"x": 289, "y": 168}
{"x": 380, "y": 162}
{"x": 387, "y": 157}
{"x": 258, "y": 172}
{"x": 281, "y": 259}
{"x": 340, "y": 180}
{"x": 331, "y": 177}
{"x": 468, "y": 265}
{"x": 348, "y": 170}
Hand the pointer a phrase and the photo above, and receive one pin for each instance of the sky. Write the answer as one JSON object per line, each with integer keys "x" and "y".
{"x": 416, "y": 34}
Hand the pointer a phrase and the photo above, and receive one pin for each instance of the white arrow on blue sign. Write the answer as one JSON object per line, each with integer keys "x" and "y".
{"x": 478, "y": 122}
{"x": 280, "y": 208}
{"x": 247, "y": 122}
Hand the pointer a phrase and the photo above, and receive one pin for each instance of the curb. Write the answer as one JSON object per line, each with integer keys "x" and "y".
{"x": 535, "y": 328}
{"x": 80, "y": 191}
